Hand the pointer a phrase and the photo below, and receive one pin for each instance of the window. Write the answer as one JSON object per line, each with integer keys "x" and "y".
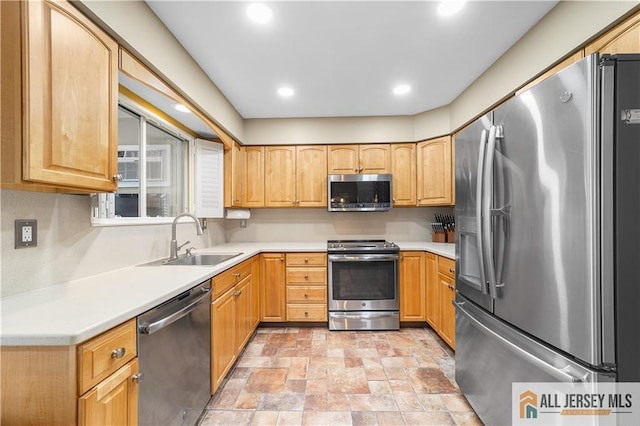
{"x": 152, "y": 163}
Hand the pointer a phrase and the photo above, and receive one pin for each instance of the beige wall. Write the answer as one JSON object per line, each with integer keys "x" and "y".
{"x": 136, "y": 27}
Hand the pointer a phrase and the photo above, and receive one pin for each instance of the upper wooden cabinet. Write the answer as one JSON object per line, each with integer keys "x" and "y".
{"x": 403, "y": 169}
{"x": 237, "y": 171}
{"x": 295, "y": 176}
{"x": 253, "y": 177}
{"x": 354, "y": 159}
{"x": 59, "y": 100}
{"x": 624, "y": 38}
{"x": 434, "y": 161}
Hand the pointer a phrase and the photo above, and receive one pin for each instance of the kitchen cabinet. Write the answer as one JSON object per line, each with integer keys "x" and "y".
{"x": 624, "y": 38}
{"x": 403, "y": 169}
{"x": 59, "y": 100}
{"x": 232, "y": 318}
{"x": 272, "y": 287}
{"x": 253, "y": 176}
{"x": 237, "y": 172}
{"x": 94, "y": 382}
{"x": 447, "y": 293}
{"x": 412, "y": 286}
{"x": 306, "y": 287}
{"x": 434, "y": 172}
{"x": 432, "y": 310}
{"x": 295, "y": 176}
{"x": 354, "y": 159}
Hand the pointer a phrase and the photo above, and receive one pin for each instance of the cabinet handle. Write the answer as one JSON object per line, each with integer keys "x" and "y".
{"x": 306, "y": 314}
{"x": 452, "y": 270}
{"x": 118, "y": 353}
{"x": 282, "y": 259}
{"x": 306, "y": 260}
{"x": 237, "y": 274}
{"x": 117, "y": 177}
{"x": 306, "y": 277}
{"x": 306, "y": 296}
{"x": 236, "y": 293}
{"x": 137, "y": 377}
{"x": 360, "y": 169}
{"x": 239, "y": 292}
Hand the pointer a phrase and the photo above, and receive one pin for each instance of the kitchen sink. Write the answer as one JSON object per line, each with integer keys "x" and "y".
{"x": 196, "y": 259}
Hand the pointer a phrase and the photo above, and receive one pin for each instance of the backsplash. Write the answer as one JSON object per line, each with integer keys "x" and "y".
{"x": 398, "y": 224}
{"x": 70, "y": 248}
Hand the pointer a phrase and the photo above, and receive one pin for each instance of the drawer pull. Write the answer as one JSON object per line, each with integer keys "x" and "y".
{"x": 118, "y": 353}
{"x": 136, "y": 378}
{"x": 306, "y": 277}
{"x": 306, "y": 314}
{"x": 237, "y": 274}
{"x": 306, "y": 296}
{"x": 306, "y": 260}
{"x": 452, "y": 270}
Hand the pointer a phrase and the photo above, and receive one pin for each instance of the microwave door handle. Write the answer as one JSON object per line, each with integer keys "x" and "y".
{"x": 479, "y": 189}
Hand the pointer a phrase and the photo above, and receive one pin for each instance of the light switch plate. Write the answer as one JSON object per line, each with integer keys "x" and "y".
{"x": 26, "y": 233}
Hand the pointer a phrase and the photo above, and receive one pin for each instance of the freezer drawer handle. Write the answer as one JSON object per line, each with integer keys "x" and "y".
{"x": 559, "y": 374}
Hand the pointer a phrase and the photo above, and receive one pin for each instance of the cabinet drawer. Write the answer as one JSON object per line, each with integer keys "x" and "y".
{"x": 231, "y": 277}
{"x": 102, "y": 355}
{"x": 307, "y": 276}
{"x": 306, "y": 294}
{"x": 314, "y": 312}
{"x": 306, "y": 259}
{"x": 447, "y": 266}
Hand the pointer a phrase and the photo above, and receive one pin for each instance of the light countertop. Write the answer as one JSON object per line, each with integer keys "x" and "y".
{"x": 70, "y": 313}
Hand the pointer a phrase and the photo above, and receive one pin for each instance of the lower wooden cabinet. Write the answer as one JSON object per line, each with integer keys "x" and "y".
{"x": 112, "y": 402}
{"x": 272, "y": 286}
{"x": 233, "y": 320}
{"x": 306, "y": 287}
{"x": 412, "y": 286}
{"x": 440, "y": 293}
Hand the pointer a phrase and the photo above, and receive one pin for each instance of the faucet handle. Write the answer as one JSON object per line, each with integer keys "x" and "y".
{"x": 189, "y": 250}
{"x": 182, "y": 245}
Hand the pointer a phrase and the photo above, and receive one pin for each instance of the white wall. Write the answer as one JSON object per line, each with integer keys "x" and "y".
{"x": 398, "y": 224}
{"x": 69, "y": 248}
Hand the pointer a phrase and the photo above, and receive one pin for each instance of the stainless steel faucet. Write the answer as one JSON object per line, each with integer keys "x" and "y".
{"x": 174, "y": 244}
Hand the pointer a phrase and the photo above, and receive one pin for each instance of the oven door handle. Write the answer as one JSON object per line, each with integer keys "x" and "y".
{"x": 363, "y": 257}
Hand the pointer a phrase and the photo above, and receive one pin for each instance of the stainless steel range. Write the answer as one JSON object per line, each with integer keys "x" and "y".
{"x": 363, "y": 285}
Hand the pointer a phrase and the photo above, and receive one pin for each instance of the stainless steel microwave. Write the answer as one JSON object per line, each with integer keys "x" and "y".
{"x": 360, "y": 193}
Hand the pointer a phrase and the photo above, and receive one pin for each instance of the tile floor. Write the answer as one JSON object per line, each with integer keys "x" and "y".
{"x": 311, "y": 376}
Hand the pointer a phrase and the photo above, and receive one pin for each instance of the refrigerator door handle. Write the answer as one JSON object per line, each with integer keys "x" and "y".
{"x": 487, "y": 199}
{"x": 558, "y": 373}
{"x": 479, "y": 189}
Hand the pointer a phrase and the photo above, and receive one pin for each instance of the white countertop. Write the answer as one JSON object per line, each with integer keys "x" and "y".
{"x": 70, "y": 313}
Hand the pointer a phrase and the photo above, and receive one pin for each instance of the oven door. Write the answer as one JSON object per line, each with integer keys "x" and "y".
{"x": 363, "y": 282}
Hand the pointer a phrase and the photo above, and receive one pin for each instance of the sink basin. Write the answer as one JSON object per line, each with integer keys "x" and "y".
{"x": 196, "y": 259}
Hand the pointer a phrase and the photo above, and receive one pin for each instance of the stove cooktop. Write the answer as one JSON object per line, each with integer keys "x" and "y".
{"x": 361, "y": 245}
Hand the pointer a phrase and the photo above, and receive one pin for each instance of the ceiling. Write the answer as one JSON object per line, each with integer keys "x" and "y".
{"x": 343, "y": 58}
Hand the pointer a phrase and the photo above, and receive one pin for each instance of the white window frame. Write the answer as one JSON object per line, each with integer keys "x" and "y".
{"x": 106, "y": 201}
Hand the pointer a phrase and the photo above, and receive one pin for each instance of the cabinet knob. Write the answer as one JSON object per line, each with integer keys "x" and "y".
{"x": 306, "y": 296}
{"x": 117, "y": 177}
{"x": 306, "y": 314}
{"x": 237, "y": 274}
{"x": 306, "y": 277}
{"x": 137, "y": 377}
{"x": 452, "y": 270}
{"x": 282, "y": 259}
{"x": 118, "y": 353}
{"x": 306, "y": 260}
{"x": 361, "y": 169}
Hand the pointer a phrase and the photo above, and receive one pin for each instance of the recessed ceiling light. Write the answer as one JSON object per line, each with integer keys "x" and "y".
{"x": 450, "y": 7}
{"x": 181, "y": 108}
{"x": 285, "y": 92}
{"x": 259, "y": 13}
{"x": 401, "y": 89}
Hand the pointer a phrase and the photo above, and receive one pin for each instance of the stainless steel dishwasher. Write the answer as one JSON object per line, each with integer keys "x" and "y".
{"x": 174, "y": 352}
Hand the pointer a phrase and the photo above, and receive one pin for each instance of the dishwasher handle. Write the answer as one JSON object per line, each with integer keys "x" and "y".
{"x": 176, "y": 315}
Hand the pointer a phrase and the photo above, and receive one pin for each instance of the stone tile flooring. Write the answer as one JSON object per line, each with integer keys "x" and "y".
{"x": 311, "y": 376}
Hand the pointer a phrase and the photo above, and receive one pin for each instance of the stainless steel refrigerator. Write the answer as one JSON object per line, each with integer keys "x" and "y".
{"x": 548, "y": 250}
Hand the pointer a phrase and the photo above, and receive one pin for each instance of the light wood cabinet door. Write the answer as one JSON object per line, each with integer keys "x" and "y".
{"x": 311, "y": 176}
{"x": 255, "y": 291}
{"x": 343, "y": 160}
{"x": 253, "y": 177}
{"x": 114, "y": 401}
{"x": 412, "y": 286}
{"x": 69, "y": 133}
{"x": 280, "y": 176}
{"x": 237, "y": 173}
{"x": 432, "y": 295}
{"x": 223, "y": 337}
{"x": 447, "y": 291}
{"x": 403, "y": 169}
{"x": 434, "y": 172}
{"x": 244, "y": 307}
{"x": 624, "y": 38}
{"x": 272, "y": 287}
{"x": 375, "y": 158}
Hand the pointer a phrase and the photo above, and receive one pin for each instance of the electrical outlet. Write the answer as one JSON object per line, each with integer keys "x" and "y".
{"x": 26, "y": 233}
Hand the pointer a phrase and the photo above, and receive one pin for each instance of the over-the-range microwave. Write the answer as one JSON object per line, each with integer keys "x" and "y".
{"x": 360, "y": 193}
